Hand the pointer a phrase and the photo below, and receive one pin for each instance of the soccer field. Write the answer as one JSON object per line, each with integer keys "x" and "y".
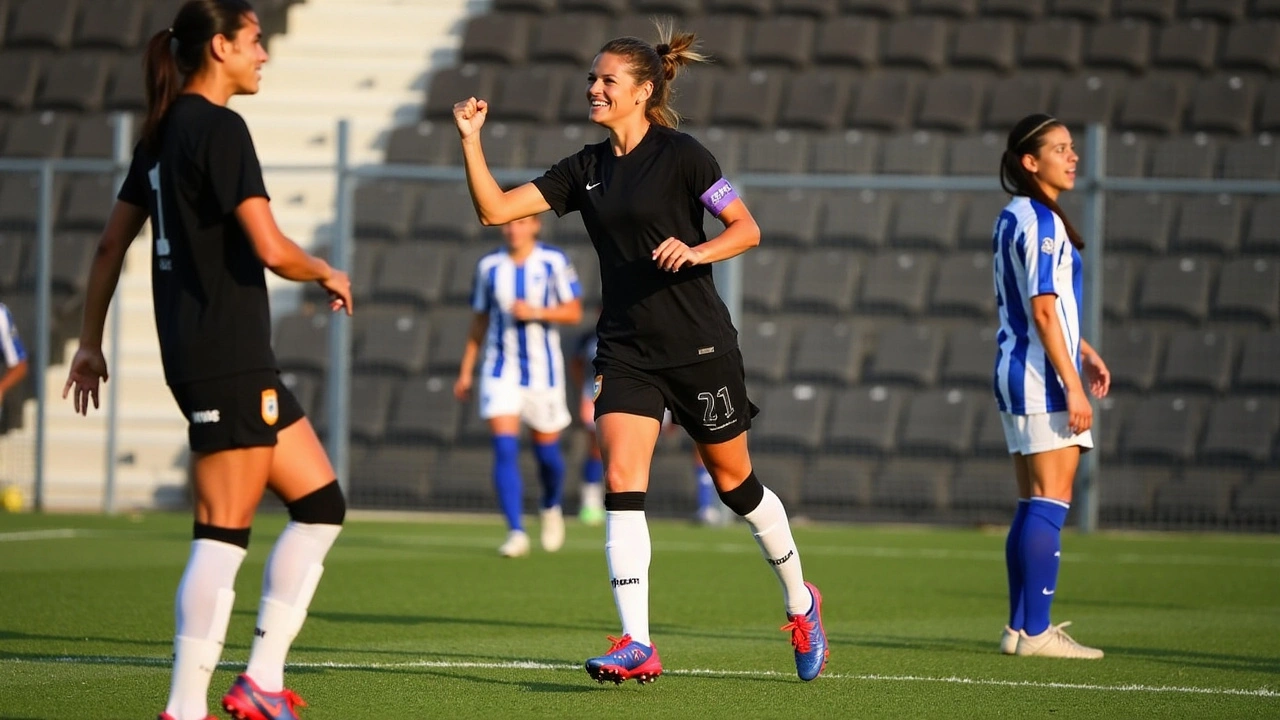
{"x": 423, "y": 620}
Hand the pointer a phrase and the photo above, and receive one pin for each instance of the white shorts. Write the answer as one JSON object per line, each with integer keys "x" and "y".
{"x": 1042, "y": 432}
{"x": 543, "y": 410}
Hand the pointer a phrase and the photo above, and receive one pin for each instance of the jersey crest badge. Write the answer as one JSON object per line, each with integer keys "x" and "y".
{"x": 1046, "y": 246}
{"x": 595, "y": 388}
{"x": 270, "y": 406}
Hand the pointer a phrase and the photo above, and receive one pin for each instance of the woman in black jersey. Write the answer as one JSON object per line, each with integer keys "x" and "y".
{"x": 665, "y": 338}
{"x": 196, "y": 176}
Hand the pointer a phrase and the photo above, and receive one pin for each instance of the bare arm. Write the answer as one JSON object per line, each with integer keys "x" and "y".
{"x": 1044, "y": 312}
{"x": 1095, "y": 370}
{"x": 278, "y": 253}
{"x": 12, "y": 377}
{"x": 568, "y": 313}
{"x": 470, "y": 352}
{"x": 493, "y": 205}
{"x": 741, "y": 233}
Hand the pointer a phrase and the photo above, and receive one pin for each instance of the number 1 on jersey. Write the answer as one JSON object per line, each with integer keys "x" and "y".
{"x": 162, "y": 242}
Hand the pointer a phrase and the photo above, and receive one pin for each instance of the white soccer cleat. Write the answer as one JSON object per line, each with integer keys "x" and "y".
{"x": 552, "y": 529}
{"x": 1009, "y": 641}
{"x": 1055, "y": 642}
{"x": 516, "y": 545}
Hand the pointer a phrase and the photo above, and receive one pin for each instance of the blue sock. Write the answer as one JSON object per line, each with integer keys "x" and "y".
{"x": 506, "y": 479}
{"x": 1040, "y": 551}
{"x": 706, "y": 488}
{"x": 550, "y": 472}
{"x": 593, "y": 471}
{"x": 1013, "y": 563}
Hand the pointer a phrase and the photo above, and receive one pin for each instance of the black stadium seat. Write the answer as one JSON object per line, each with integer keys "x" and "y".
{"x": 115, "y": 24}
{"x": 865, "y": 419}
{"x": 829, "y": 351}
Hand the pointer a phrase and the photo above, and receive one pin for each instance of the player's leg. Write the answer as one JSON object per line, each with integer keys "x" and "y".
{"x": 303, "y": 478}
{"x": 1013, "y": 558}
{"x": 228, "y": 480}
{"x": 708, "y": 513}
{"x": 507, "y": 483}
{"x": 1052, "y": 455}
{"x": 629, "y": 410}
{"x": 547, "y": 414}
{"x": 592, "y": 511}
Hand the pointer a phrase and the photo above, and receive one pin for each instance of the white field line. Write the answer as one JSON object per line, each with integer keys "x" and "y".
{"x": 739, "y": 548}
{"x": 689, "y": 672}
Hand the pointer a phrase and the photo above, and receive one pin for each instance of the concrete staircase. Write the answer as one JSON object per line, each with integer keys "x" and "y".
{"x": 365, "y": 60}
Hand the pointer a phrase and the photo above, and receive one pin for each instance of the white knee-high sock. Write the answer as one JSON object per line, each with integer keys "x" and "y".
{"x": 773, "y": 532}
{"x": 628, "y": 551}
{"x": 201, "y": 612}
{"x": 293, "y": 571}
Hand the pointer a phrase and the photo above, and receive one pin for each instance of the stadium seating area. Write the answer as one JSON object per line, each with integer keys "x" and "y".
{"x": 65, "y": 66}
{"x": 868, "y": 327}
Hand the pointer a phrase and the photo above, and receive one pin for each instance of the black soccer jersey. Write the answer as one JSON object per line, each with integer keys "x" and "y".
{"x": 207, "y": 283}
{"x": 651, "y": 319}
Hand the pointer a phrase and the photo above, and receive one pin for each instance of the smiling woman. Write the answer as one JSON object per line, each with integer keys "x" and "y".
{"x": 195, "y": 175}
{"x": 664, "y": 338}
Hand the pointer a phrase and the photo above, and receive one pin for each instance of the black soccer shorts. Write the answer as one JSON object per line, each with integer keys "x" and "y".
{"x": 237, "y": 411}
{"x": 709, "y": 399}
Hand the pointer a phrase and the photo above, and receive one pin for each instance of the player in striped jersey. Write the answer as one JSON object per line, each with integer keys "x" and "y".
{"x": 1042, "y": 365}
{"x": 12, "y": 354}
{"x": 519, "y": 295}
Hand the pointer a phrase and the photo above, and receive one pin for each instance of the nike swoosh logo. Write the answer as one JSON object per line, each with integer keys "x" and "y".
{"x": 593, "y": 186}
{"x": 1047, "y": 591}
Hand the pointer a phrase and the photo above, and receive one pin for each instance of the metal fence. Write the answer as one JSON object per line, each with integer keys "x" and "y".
{"x": 864, "y": 327}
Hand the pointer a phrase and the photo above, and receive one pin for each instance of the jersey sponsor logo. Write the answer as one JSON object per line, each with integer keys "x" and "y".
{"x": 592, "y": 186}
{"x": 595, "y": 388}
{"x": 619, "y": 582}
{"x": 270, "y": 406}
{"x": 205, "y": 417}
{"x": 1046, "y": 246}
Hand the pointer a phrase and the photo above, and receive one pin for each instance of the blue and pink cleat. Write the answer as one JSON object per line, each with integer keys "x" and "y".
{"x": 246, "y": 701}
{"x": 809, "y": 639}
{"x": 626, "y": 660}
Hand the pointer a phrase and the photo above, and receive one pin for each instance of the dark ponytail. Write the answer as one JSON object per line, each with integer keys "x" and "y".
{"x": 178, "y": 52}
{"x": 659, "y": 65}
{"x": 1026, "y": 138}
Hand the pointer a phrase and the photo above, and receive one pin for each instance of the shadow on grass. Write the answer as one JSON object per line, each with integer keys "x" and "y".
{"x": 12, "y": 635}
{"x": 1192, "y": 658}
{"x": 1000, "y": 601}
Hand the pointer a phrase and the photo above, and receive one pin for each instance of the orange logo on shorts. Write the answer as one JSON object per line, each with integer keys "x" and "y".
{"x": 270, "y": 406}
{"x": 595, "y": 388}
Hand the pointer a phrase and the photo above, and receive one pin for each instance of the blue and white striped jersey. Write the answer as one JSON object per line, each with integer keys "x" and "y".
{"x": 527, "y": 352}
{"x": 11, "y": 350}
{"x": 1033, "y": 256}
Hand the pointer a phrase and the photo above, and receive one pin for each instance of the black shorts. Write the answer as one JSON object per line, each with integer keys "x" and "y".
{"x": 709, "y": 399}
{"x": 236, "y": 411}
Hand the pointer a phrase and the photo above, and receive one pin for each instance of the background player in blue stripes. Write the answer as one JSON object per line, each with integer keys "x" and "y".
{"x": 1042, "y": 365}
{"x": 12, "y": 354}
{"x": 519, "y": 295}
{"x": 666, "y": 340}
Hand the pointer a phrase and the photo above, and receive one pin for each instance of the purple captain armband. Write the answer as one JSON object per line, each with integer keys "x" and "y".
{"x": 718, "y": 197}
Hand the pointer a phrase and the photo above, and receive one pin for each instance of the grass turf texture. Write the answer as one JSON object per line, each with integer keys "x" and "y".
{"x": 423, "y": 620}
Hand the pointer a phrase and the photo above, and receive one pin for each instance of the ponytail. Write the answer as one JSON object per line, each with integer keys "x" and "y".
{"x": 1026, "y": 138}
{"x": 660, "y": 65}
{"x": 176, "y": 53}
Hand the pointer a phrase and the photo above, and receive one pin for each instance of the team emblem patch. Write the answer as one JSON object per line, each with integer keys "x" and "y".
{"x": 270, "y": 406}
{"x": 1046, "y": 246}
{"x": 595, "y": 388}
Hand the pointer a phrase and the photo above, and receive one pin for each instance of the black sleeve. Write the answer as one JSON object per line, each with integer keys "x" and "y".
{"x": 235, "y": 173}
{"x": 698, "y": 166}
{"x": 136, "y": 189}
{"x": 559, "y": 185}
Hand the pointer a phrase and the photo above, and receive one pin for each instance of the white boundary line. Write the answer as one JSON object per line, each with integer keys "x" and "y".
{"x": 731, "y": 548}
{"x": 689, "y": 672}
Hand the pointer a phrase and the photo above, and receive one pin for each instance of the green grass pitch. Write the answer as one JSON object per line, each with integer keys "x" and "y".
{"x": 421, "y": 619}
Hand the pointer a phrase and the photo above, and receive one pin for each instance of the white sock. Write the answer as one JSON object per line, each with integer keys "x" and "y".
{"x": 293, "y": 571}
{"x": 772, "y": 531}
{"x": 202, "y": 611}
{"x": 627, "y": 548}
